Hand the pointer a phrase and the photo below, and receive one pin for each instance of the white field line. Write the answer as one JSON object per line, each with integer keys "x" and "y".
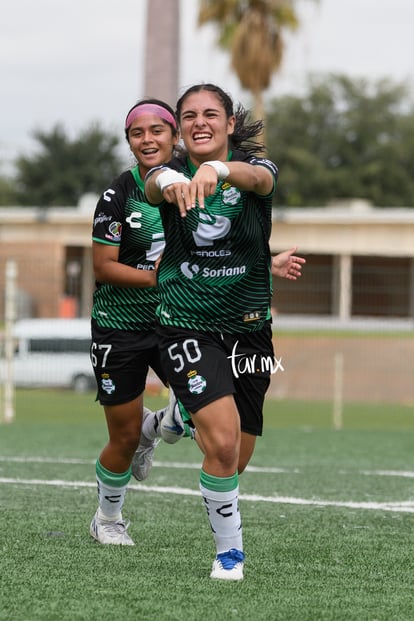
{"x": 409, "y": 474}
{"x": 401, "y": 507}
{"x": 193, "y": 466}
{"x": 396, "y": 507}
{"x": 155, "y": 464}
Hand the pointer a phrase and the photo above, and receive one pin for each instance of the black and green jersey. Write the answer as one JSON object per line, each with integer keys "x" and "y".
{"x": 215, "y": 271}
{"x": 123, "y": 218}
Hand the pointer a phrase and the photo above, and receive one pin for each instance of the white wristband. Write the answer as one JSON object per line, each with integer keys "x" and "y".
{"x": 220, "y": 167}
{"x": 168, "y": 177}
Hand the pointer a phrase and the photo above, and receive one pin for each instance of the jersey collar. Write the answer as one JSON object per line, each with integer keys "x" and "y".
{"x": 137, "y": 178}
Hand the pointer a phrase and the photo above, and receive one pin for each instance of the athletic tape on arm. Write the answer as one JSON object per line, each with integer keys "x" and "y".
{"x": 220, "y": 167}
{"x": 168, "y": 177}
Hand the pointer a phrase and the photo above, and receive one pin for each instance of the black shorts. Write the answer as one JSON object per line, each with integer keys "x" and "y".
{"x": 121, "y": 360}
{"x": 202, "y": 367}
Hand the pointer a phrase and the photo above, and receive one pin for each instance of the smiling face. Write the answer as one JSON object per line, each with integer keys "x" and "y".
{"x": 205, "y": 127}
{"x": 151, "y": 140}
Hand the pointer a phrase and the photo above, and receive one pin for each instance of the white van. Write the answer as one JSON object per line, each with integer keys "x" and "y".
{"x": 53, "y": 353}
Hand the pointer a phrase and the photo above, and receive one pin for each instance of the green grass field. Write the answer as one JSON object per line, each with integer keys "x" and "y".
{"x": 328, "y": 520}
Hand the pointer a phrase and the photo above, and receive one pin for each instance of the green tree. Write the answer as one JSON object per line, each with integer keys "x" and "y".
{"x": 63, "y": 169}
{"x": 252, "y": 30}
{"x": 7, "y": 191}
{"x": 344, "y": 139}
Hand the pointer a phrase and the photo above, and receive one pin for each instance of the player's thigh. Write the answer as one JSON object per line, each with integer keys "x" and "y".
{"x": 124, "y": 420}
{"x": 218, "y": 425}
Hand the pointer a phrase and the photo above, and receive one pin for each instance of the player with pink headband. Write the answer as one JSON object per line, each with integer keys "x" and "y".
{"x": 128, "y": 240}
{"x": 150, "y": 108}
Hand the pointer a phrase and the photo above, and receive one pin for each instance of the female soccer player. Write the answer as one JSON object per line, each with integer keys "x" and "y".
{"x": 215, "y": 290}
{"x": 128, "y": 239}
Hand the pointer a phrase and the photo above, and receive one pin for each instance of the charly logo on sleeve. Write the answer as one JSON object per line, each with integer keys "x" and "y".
{"x": 108, "y": 194}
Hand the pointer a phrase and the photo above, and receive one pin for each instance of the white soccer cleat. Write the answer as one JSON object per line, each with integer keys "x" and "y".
{"x": 228, "y": 565}
{"x": 172, "y": 426}
{"x": 109, "y": 532}
{"x": 142, "y": 459}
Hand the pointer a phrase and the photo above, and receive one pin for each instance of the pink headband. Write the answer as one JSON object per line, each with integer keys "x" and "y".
{"x": 150, "y": 108}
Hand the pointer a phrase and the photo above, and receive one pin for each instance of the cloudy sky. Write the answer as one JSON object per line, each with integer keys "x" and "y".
{"x": 78, "y": 61}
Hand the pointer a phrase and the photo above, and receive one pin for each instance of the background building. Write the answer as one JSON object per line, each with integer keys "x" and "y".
{"x": 360, "y": 261}
{"x": 345, "y": 327}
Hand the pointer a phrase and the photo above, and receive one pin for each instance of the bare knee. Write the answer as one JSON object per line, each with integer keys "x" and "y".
{"x": 226, "y": 452}
{"x": 221, "y": 457}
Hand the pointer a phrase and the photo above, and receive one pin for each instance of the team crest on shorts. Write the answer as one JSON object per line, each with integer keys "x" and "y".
{"x": 196, "y": 383}
{"x": 107, "y": 384}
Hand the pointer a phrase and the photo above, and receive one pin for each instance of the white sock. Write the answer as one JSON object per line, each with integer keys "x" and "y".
{"x": 224, "y": 516}
{"x": 151, "y": 427}
{"x": 111, "y": 500}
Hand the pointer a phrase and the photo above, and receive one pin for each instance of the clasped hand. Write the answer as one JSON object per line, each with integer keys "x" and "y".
{"x": 186, "y": 193}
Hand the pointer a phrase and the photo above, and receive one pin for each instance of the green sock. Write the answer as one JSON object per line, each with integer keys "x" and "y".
{"x": 112, "y": 487}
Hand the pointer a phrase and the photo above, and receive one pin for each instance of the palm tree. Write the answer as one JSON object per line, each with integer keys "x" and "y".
{"x": 252, "y": 31}
{"x": 162, "y": 50}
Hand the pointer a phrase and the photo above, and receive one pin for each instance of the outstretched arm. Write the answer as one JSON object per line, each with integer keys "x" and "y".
{"x": 174, "y": 187}
{"x": 287, "y": 265}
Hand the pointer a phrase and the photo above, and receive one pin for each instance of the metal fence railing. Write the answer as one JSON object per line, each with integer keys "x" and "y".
{"x": 370, "y": 358}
